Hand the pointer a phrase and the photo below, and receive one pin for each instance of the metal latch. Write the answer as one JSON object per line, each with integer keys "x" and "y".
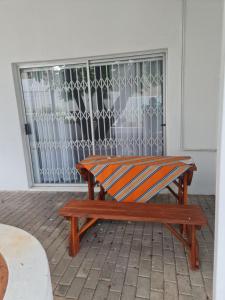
{"x": 27, "y": 128}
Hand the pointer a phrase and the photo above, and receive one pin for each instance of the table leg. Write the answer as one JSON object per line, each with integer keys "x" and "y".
{"x": 101, "y": 195}
{"x": 90, "y": 186}
{"x": 185, "y": 196}
{"x": 185, "y": 193}
{"x": 180, "y": 200}
{"x": 74, "y": 237}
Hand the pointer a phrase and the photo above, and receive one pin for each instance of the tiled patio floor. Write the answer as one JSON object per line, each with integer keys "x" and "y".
{"x": 117, "y": 260}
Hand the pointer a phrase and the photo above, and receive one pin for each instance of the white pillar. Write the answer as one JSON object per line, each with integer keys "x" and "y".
{"x": 219, "y": 255}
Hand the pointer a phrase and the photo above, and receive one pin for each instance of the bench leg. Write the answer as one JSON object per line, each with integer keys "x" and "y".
{"x": 74, "y": 237}
{"x": 185, "y": 197}
{"x": 194, "y": 260}
{"x": 180, "y": 201}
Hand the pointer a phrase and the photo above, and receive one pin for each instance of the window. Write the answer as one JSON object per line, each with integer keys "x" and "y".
{"x": 110, "y": 107}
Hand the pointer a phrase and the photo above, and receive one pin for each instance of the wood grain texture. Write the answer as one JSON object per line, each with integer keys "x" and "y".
{"x": 112, "y": 210}
{"x": 4, "y": 274}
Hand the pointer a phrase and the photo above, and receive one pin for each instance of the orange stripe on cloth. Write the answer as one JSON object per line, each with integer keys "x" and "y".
{"x": 162, "y": 184}
{"x": 125, "y": 179}
{"x": 135, "y": 178}
{"x": 147, "y": 184}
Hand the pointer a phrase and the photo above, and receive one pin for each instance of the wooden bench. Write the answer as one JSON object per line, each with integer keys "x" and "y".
{"x": 191, "y": 216}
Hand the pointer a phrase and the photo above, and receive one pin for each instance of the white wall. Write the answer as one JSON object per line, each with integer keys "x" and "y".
{"x": 56, "y": 29}
{"x": 219, "y": 258}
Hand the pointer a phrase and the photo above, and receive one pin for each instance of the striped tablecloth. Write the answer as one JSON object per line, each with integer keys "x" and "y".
{"x": 135, "y": 178}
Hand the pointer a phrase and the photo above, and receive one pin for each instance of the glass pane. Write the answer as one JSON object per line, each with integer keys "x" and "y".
{"x": 127, "y": 101}
{"x": 57, "y": 110}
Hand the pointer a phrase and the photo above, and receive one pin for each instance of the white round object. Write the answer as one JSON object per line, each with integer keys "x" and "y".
{"x": 29, "y": 276}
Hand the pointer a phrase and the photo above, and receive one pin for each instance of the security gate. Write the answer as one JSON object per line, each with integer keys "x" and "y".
{"x": 107, "y": 107}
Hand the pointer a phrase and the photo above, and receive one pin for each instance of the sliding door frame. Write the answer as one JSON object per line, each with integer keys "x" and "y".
{"x": 87, "y": 61}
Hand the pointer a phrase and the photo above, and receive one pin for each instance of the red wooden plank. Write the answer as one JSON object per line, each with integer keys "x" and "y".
{"x": 112, "y": 210}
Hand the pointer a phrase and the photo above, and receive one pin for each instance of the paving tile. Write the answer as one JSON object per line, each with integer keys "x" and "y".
{"x": 156, "y": 295}
{"x": 143, "y": 287}
{"x": 125, "y": 250}
{"x": 117, "y": 282}
{"x": 75, "y": 288}
{"x": 168, "y": 256}
{"x": 114, "y": 296}
{"x": 61, "y": 290}
{"x": 157, "y": 281}
{"x": 170, "y": 291}
{"x": 68, "y": 276}
{"x": 145, "y": 268}
{"x": 102, "y": 290}
{"x": 186, "y": 297}
{"x": 121, "y": 264}
{"x": 107, "y": 271}
{"x": 58, "y": 298}
{"x": 84, "y": 268}
{"x": 157, "y": 249}
{"x": 196, "y": 277}
{"x": 146, "y": 253}
{"x": 99, "y": 262}
{"x": 184, "y": 286}
{"x": 131, "y": 276}
{"x": 179, "y": 251}
{"x": 134, "y": 259}
{"x": 157, "y": 263}
{"x": 86, "y": 294}
{"x": 199, "y": 293}
{"x": 207, "y": 269}
{"x": 92, "y": 279}
{"x": 181, "y": 266}
{"x": 128, "y": 293}
{"x": 169, "y": 273}
{"x": 208, "y": 287}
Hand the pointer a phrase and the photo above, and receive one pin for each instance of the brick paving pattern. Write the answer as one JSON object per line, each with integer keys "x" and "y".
{"x": 117, "y": 260}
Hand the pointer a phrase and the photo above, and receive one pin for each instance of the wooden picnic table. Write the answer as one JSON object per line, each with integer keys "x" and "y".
{"x": 132, "y": 181}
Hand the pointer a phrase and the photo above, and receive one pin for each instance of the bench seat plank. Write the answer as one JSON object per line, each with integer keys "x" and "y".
{"x": 111, "y": 210}
{"x": 190, "y": 216}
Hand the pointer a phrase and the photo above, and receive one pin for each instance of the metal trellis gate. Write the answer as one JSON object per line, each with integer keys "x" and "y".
{"x": 109, "y": 107}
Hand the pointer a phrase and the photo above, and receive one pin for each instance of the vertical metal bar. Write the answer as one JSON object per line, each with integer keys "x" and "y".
{"x": 121, "y": 129}
{"x": 48, "y": 135}
{"x": 53, "y": 122}
{"x": 61, "y": 135}
{"x": 39, "y": 106}
{"x": 151, "y": 103}
{"x": 76, "y": 131}
{"x": 104, "y": 140}
{"x": 85, "y": 104}
{"x": 81, "y": 126}
{"x": 69, "y": 131}
{"x": 139, "y": 92}
{"x": 108, "y": 111}
{"x": 145, "y": 120}
{"x": 98, "y": 112}
{"x": 90, "y": 106}
{"x": 157, "y": 117}
{"x": 164, "y": 104}
{"x": 75, "y": 128}
{"x": 58, "y": 121}
{"x": 126, "y": 100}
{"x": 115, "y": 127}
{"x": 133, "y": 96}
